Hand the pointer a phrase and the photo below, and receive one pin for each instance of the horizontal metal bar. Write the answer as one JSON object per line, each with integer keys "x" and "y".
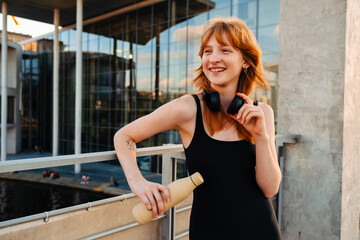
{"x": 131, "y": 225}
{"x": 46, "y": 162}
{"x": 183, "y": 234}
{"x": 118, "y": 229}
{"x": 111, "y": 231}
{"x": 183, "y": 209}
{"x": 83, "y": 206}
{"x": 49, "y": 214}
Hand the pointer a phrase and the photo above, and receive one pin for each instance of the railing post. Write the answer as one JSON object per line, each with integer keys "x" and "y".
{"x": 168, "y": 176}
{"x": 280, "y": 140}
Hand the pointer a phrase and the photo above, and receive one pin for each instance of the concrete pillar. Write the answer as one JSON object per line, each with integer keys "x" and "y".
{"x": 350, "y": 199}
{"x": 55, "y": 139}
{"x": 78, "y": 94}
{"x": 4, "y": 94}
{"x": 319, "y": 99}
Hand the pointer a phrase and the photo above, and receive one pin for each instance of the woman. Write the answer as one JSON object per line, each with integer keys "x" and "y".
{"x": 235, "y": 154}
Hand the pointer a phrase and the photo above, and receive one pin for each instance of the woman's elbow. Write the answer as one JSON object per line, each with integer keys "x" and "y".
{"x": 117, "y": 137}
{"x": 270, "y": 194}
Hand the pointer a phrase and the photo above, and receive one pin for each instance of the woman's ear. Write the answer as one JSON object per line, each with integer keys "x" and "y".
{"x": 245, "y": 65}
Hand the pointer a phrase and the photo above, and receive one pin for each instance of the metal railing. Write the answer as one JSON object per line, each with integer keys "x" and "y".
{"x": 170, "y": 155}
{"x": 281, "y": 139}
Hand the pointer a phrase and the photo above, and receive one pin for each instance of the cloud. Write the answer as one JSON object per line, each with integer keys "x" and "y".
{"x": 193, "y": 32}
{"x": 144, "y": 57}
{"x": 185, "y": 81}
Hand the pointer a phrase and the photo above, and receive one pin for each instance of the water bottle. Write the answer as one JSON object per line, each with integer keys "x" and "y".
{"x": 179, "y": 191}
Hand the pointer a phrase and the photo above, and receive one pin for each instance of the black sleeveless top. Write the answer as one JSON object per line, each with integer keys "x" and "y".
{"x": 229, "y": 204}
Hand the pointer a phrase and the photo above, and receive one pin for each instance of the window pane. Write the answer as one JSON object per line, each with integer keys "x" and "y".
{"x": 269, "y": 12}
{"x": 220, "y": 13}
{"x": 246, "y": 12}
{"x": 268, "y": 38}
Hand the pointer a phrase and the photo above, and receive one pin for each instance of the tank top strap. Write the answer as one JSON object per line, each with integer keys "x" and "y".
{"x": 199, "y": 121}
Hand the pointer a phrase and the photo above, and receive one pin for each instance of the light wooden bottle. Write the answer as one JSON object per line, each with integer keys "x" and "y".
{"x": 179, "y": 191}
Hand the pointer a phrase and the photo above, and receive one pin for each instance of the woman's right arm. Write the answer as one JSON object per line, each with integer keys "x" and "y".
{"x": 173, "y": 115}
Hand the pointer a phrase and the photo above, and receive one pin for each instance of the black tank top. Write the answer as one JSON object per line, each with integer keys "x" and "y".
{"x": 229, "y": 204}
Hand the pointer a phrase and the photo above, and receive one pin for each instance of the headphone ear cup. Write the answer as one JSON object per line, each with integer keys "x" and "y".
{"x": 235, "y": 105}
{"x": 212, "y": 100}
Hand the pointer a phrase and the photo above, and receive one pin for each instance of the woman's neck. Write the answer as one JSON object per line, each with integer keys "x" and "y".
{"x": 226, "y": 95}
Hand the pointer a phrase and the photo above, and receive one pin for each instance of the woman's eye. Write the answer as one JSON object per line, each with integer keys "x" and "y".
{"x": 226, "y": 50}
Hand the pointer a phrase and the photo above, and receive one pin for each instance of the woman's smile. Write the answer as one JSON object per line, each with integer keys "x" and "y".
{"x": 217, "y": 69}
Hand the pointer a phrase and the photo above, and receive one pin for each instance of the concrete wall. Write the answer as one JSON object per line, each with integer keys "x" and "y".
{"x": 350, "y": 201}
{"x": 316, "y": 89}
{"x": 83, "y": 223}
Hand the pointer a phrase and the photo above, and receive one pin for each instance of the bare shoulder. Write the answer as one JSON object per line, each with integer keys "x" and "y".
{"x": 185, "y": 106}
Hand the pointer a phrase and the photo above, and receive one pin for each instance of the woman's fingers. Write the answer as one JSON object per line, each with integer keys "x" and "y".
{"x": 246, "y": 98}
{"x": 153, "y": 204}
{"x": 159, "y": 201}
{"x": 153, "y": 199}
{"x": 249, "y": 116}
{"x": 165, "y": 191}
{"x": 146, "y": 201}
{"x": 246, "y": 113}
{"x": 243, "y": 111}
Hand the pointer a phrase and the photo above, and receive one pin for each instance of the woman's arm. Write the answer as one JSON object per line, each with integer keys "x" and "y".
{"x": 173, "y": 115}
{"x": 268, "y": 174}
{"x": 259, "y": 121}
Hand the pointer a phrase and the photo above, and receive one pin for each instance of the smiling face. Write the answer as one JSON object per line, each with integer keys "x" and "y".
{"x": 222, "y": 63}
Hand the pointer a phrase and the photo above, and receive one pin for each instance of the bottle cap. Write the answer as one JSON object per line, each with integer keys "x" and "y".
{"x": 197, "y": 179}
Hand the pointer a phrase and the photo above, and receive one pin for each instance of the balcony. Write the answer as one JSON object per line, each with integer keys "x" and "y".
{"x": 111, "y": 218}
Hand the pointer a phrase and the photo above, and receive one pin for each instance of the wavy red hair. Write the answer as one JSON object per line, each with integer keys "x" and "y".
{"x": 241, "y": 38}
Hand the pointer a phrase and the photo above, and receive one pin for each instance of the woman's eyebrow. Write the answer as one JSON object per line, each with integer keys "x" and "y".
{"x": 221, "y": 44}
{"x": 225, "y": 44}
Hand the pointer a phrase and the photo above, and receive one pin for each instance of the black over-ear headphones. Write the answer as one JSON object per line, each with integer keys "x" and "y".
{"x": 212, "y": 100}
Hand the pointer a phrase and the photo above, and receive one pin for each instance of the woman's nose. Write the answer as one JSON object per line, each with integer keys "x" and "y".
{"x": 215, "y": 57}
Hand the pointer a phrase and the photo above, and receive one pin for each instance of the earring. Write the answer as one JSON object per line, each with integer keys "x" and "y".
{"x": 245, "y": 69}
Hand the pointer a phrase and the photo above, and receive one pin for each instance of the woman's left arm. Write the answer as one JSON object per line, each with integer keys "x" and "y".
{"x": 259, "y": 121}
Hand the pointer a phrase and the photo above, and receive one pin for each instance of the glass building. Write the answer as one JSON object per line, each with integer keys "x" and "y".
{"x": 132, "y": 64}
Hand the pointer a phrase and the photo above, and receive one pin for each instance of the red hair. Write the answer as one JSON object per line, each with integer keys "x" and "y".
{"x": 241, "y": 38}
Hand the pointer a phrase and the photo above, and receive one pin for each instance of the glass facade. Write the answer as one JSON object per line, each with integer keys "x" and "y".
{"x": 132, "y": 64}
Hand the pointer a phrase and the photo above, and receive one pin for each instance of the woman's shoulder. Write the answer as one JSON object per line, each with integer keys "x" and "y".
{"x": 185, "y": 105}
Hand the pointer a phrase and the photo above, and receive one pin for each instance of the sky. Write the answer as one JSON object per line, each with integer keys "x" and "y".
{"x": 26, "y": 26}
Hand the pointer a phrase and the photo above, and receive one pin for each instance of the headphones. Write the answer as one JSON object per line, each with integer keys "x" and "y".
{"x": 212, "y": 101}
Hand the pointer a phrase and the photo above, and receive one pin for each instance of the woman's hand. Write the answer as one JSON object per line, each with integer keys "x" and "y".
{"x": 150, "y": 194}
{"x": 251, "y": 117}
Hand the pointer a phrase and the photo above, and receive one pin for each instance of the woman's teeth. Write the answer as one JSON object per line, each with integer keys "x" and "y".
{"x": 217, "y": 69}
